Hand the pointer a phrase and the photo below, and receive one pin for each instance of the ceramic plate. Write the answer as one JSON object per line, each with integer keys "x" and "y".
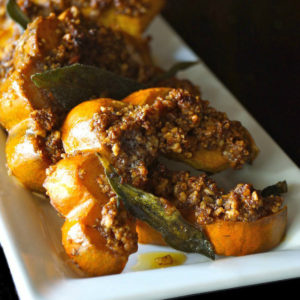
{"x": 30, "y": 228}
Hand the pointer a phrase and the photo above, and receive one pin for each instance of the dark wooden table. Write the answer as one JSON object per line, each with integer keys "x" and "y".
{"x": 253, "y": 46}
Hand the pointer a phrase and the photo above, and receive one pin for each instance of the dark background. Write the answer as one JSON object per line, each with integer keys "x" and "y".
{"x": 253, "y": 47}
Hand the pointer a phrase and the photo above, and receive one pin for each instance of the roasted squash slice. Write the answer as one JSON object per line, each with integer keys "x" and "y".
{"x": 78, "y": 135}
{"x": 87, "y": 247}
{"x": 18, "y": 95}
{"x": 122, "y": 15}
{"x": 240, "y": 238}
{"x": 35, "y": 52}
{"x": 98, "y": 234}
{"x": 231, "y": 238}
{"x": 209, "y": 160}
{"x": 26, "y": 155}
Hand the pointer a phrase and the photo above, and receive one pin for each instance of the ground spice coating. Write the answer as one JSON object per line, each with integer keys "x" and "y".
{"x": 191, "y": 123}
{"x": 179, "y": 123}
{"x": 133, "y": 8}
{"x": 114, "y": 225}
{"x": 199, "y": 197}
{"x": 76, "y": 40}
{"x": 118, "y": 235}
{"x": 84, "y": 42}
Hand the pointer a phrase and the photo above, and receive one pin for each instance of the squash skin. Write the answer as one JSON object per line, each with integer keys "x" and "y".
{"x": 79, "y": 173}
{"x": 146, "y": 96}
{"x": 94, "y": 258}
{"x": 26, "y": 156}
{"x": 76, "y": 130}
{"x": 80, "y": 200}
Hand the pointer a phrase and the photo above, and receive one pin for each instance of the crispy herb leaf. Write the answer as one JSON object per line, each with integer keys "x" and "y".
{"x": 16, "y": 13}
{"x": 160, "y": 215}
{"x": 180, "y": 66}
{"x": 73, "y": 84}
{"x": 276, "y": 189}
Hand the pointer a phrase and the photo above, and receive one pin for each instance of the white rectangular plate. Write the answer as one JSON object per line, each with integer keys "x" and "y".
{"x": 30, "y": 228}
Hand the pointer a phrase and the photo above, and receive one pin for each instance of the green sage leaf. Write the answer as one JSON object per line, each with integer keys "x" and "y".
{"x": 159, "y": 214}
{"x": 16, "y": 13}
{"x": 73, "y": 84}
{"x": 276, "y": 189}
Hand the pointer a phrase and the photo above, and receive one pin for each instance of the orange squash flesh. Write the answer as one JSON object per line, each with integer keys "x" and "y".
{"x": 73, "y": 187}
{"x": 19, "y": 97}
{"x": 76, "y": 130}
{"x": 240, "y": 238}
{"x": 87, "y": 247}
{"x": 26, "y": 157}
{"x": 147, "y": 96}
{"x": 148, "y": 235}
{"x": 233, "y": 238}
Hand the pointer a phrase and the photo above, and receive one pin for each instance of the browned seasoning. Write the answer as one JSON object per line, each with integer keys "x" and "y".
{"x": 199, "y": 197}
{"x": 179, "y": 123}
{"x": 86, "y": 43}
{"x": 134, "y": 8}
{"x": 118, "y": 235}
{"x": 76, "y": 40}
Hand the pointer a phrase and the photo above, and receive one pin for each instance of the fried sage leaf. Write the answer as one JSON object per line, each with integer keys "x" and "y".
{"x": 180, "y": 66}
{"x": 16, "y": 13}
{"x": 159, "y": 214}
{"x": 73, "y": 84}
{"x": 276, "y": 189}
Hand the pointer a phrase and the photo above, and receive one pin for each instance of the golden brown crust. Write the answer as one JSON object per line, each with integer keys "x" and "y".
{"x": 131, "y": 16}
{"x": 194, "y": 125}
{"x": 202, "y": 201}
{"x": 168, "y": 121}
{"x": 54, "y": 42}
{"x": 49, "y": 43}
